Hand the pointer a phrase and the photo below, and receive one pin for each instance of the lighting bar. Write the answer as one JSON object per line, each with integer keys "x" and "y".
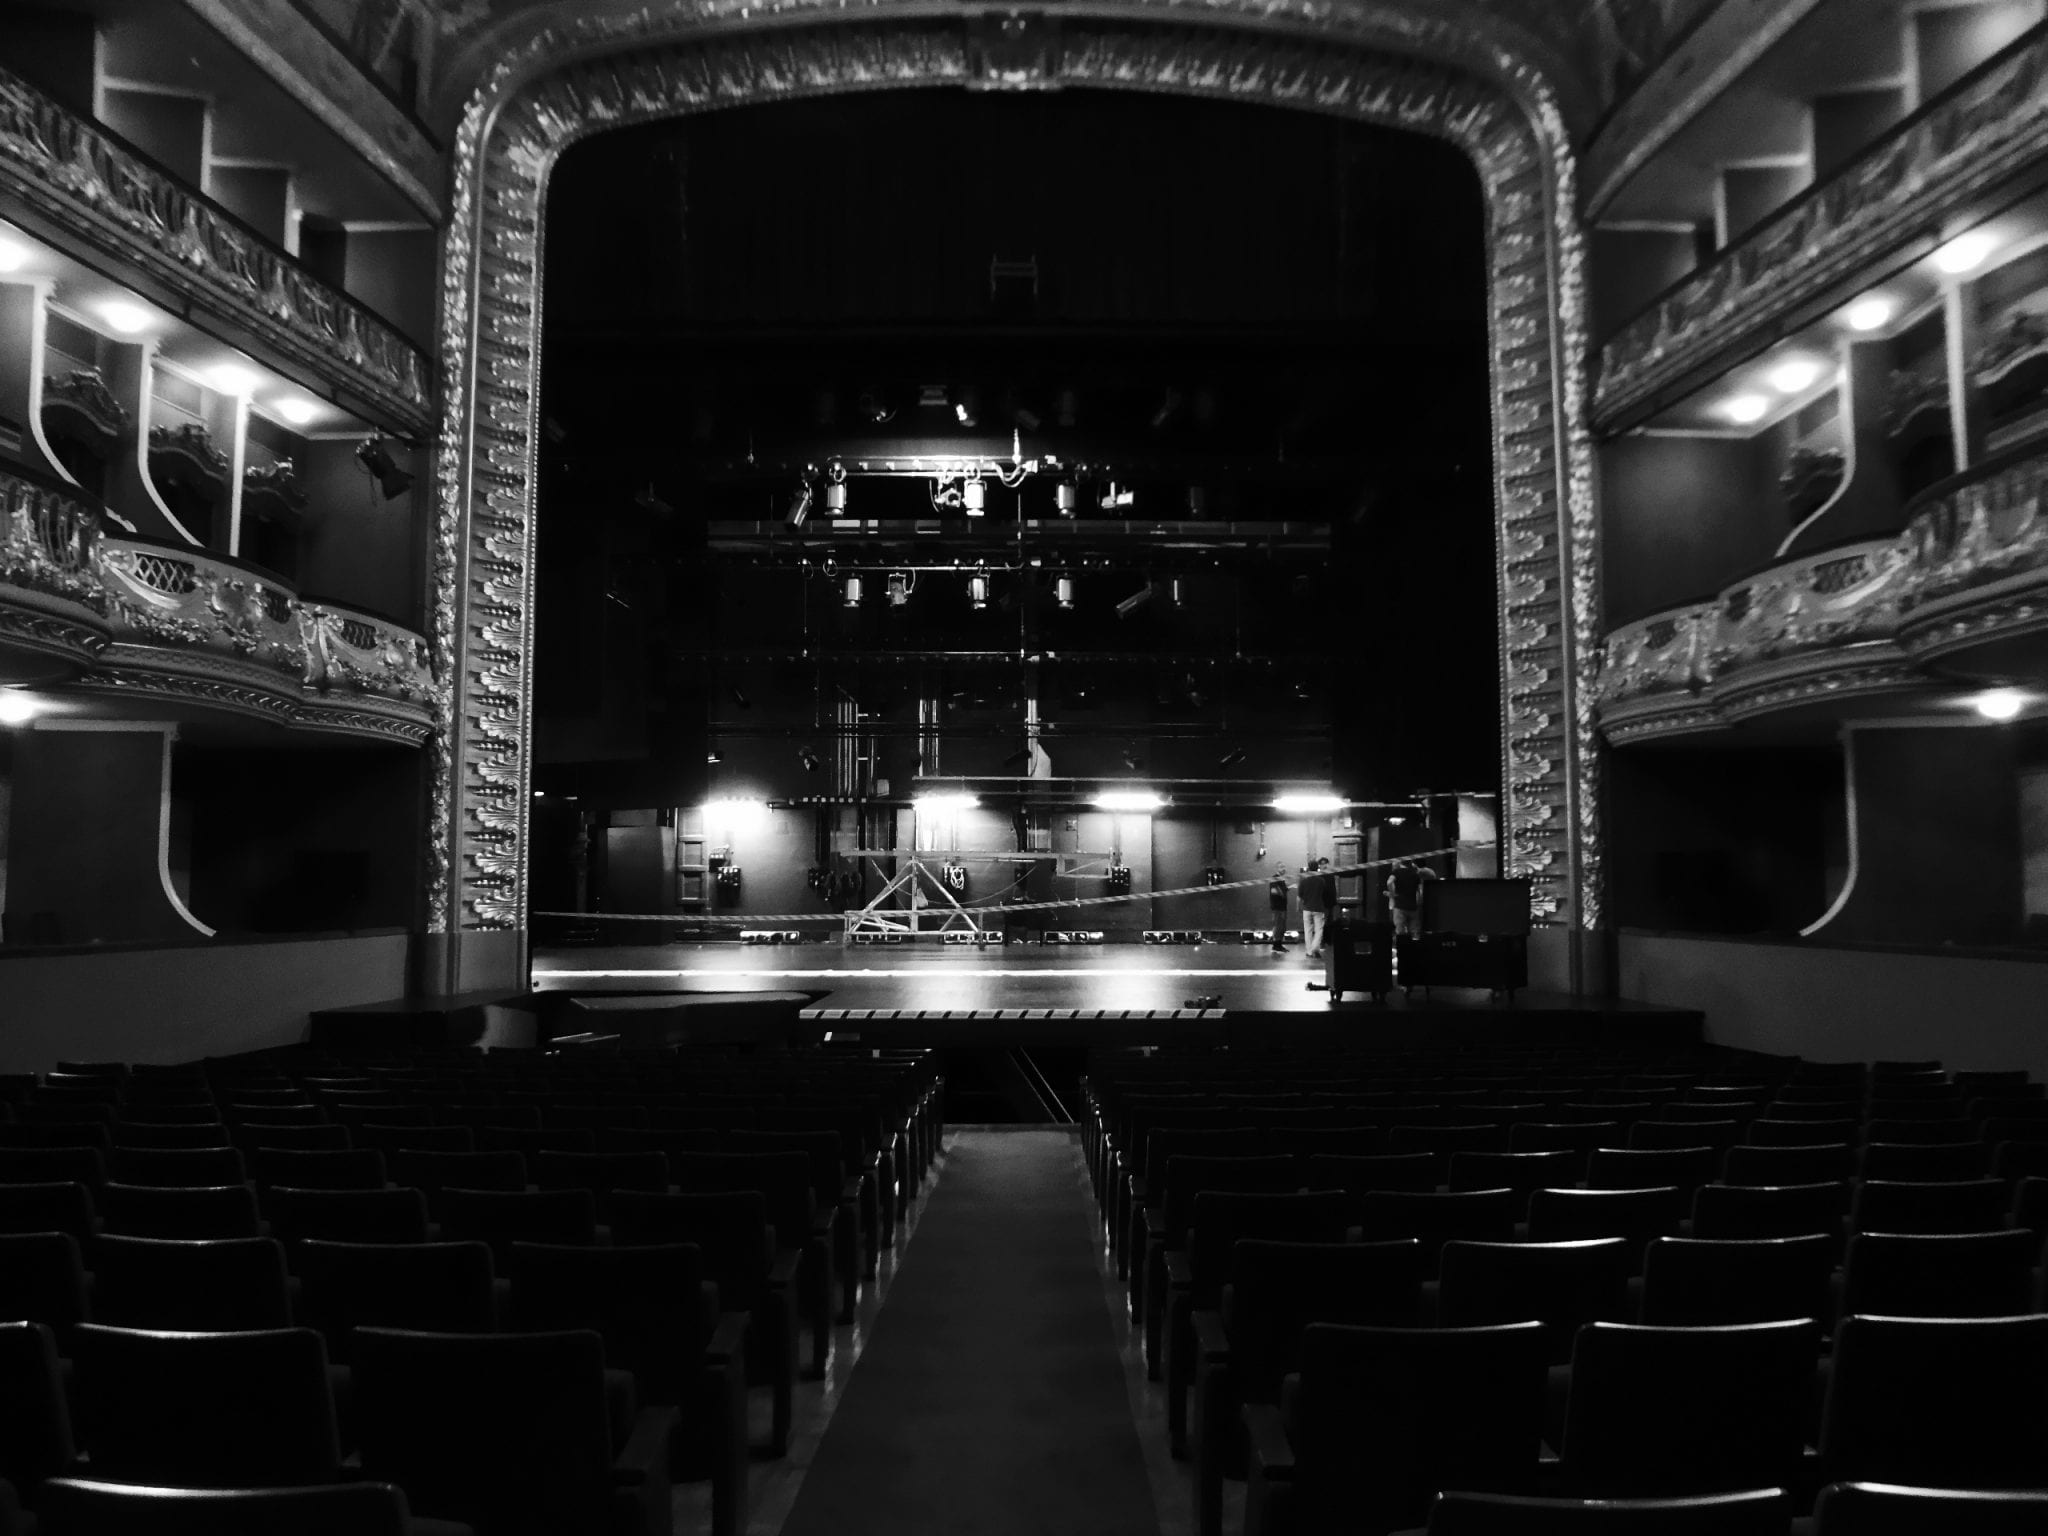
{"x": 1311, "y": 804}
{"x": 1128, "y": 800}
{"x": 946, "y": 802}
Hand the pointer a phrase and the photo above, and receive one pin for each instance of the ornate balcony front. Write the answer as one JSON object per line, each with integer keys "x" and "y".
{"x": 1984, "y": 131}
{"x": 65, "y": 172}
{"x": 53, "y": 610}
{"x": 361, "y": 665}
{"x": 1962, "y": 591}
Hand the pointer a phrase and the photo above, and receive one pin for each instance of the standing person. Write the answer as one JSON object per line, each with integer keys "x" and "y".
{"x": 1404, "y": 896}
{"x": 1318, "y": 902}
{"x": 1276, "y": 898}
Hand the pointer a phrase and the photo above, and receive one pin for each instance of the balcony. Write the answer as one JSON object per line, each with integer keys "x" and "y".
{"x": 1987, "y": 133}
{"x": 1962, "y": 591}
{"x": 74, "y": 184}
{"x": 53, "y": 608}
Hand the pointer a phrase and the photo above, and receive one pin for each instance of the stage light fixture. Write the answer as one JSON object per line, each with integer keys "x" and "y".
{"x": 18, "y": 708}
{"x": 1175, "y": 595}
{"x": 1064, "y": 498}
{"x": 13, "y": 255}
{"x": 809, "y": 758}
{"x": 1231, "y": 758}
{"x": 1135, "y": 601}
{"x": 376, "y": 458}
{"x": 1314, "y": 805}
{"x": 974, "y": 496}
{"x": 737, "y": 811}
{"x": 1063, "y": 591}
{"x": 966, "y": 407}
{"x": 945, "y": 801}
{"x": 1746, "y": 409}
{"x": 1128, "y": 800}
{"x": 977, "y": 591}
{"x": 1868, "y": 314}
{"x": 1795, "y": 374}
{"x": 1966, "y": 252}
{"x": 125, "y": 317}
{"x": 799, "y": 505}
{"x": 899, "y": 589}
{"x": 853, "y": 589}
{"x": 835, "y": 499}
{"x": 1999, "y": 703}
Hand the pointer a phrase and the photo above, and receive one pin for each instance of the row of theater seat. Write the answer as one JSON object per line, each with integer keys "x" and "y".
{"x": 619, "y": 1303}
{"x": 1360, "y": 1329}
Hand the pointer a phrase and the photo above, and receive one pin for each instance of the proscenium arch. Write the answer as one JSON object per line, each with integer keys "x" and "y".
{"x": 515, "y": 129}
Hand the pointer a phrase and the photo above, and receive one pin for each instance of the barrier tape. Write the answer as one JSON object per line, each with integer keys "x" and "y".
{"x": 770, "y": 919}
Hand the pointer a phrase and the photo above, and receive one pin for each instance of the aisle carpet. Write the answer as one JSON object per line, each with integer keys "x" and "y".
{"x": 990, "y": 1400}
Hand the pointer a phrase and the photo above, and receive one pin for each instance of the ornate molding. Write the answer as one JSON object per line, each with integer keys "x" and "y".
{"x": 1933, "y": 165}
{"x": 81, "y": 401}
{"x": 49, "y": 543}
{"x": 1980, "y": 560}
{"x": 349, "y": 652}
{"x": 66, "y": 169}
{"x": 273, "y": 490}
{"x": 575, "y": 78}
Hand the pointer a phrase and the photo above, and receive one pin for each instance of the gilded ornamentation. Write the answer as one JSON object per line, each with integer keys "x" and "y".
{"x": 276, "y": 483}
{"x": 84, "y": 393}
{"x": 1936, "y": 164}
{"x": 644, "y": 66}
{"x": 64, "y": 168}
{"x": 51, "y": 604}
{"x": 347, "y": 651}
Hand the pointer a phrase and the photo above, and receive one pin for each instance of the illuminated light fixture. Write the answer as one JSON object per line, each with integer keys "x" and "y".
{"x": 1795, "y": 374}
{"x": 974, "y": 496}
{"x": 1869, "y": 314}
{"x": 1063, "y": 591}
{"x": 1310, "y": 804}
{"x": 1128, "y": 800}
{"x": 1966, "y": 252}
{"x": 1744, "y": 409}
{"x": 13, "y": 255}
{"x": 125, "y": 317}
{"x": 977, "y": 591}
{"x": 1064, "y": 498}
{"x": 899, "y": 589}
{"x": 946, "y": 802}
{"x": 1999, "y": 703}
{"x": 736, "y": 810}
{"x": 1231, "y": 758}
{"x": 1135, "y": 601}
{"x": 1174, "y": 595}
{"x": 17, "y": 708}
{"x": 799, "y": 505}
{"x": 297, "y": 412}
{"x": 852, "y": 592}
{"x": 835, "y": 499}
{"x": 231, "y": 378}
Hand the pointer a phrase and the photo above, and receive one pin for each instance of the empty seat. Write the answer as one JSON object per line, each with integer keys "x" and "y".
{"x": 412, "y": 1138}
{"x": 1803, "y": 1133}
{"x": 1657, "y": 1411}
{"x": 502, "y": 1217}
{"x": 508, "y": 1432}
{"x": 1701, "y": 1282}
{"x": 1923, "y": 1131}
{"x": 1434, "y": 1218}
{"x": 1965, "y": 1205}
{"x": 1579, "y": 1138}
{"x": 601, "y": 1173}
{"x": 171, "y": 1137}
{"x": 58, "y": 1134}
{"x": 1769, "y": 1210}
{"x": 226, "y": 1410}
{"x": 299, "y": 1168}
{"x": 1633, "y": 1215}
{"x": 1561, "y": 1285}
{"x": 142, "y": 1210}
{"x": 179, "y": 1169}
{"x": 1656, "y": 1135}
{"x": 436, "y": 1287}
{"x": 54, "y": 1207}
{"x": 1358, "y": 1175}
{"x": 211, "y": 1284}
{"x": 78, "y": 1507}
{"x": 347, "y": 1215}
{"x": 1938, "y": 1402}
{"x": 1905, "y": 1162}
{"x": 1819, "y": 1163}
{"x": 432, "y": 1172}
{"x": 301, "y": 1138}
{"x": 35, "y": 1418}
{"x": 1886, "y": 1509}
{"x": 1754, "y": 1512}
{"x": 42, "y": 1279}
{"x": 1975, "y": 1274}
{"x": 1685, "y": 1168}
{"x": 53, "y": 1165}
{"x": 1519, "y": 1171}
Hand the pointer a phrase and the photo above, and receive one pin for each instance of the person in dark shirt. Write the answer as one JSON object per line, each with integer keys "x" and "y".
{"x": 1276, "y": 898}
{"x": 1404, "y": 896}
{"x": 1318, "y": 901}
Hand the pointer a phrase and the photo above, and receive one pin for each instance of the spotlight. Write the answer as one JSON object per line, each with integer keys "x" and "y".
{"x": 1999, "y": 703}
{"x": 18, "y": 708}
{"x": 1063, "y": 591}
{"x": 297, "y": 412}
{"x": 376, "y": 458}
{"x": 1128, "y": 800}
{"x": 13, "y": 255}
{"x": 899, "y": 589}
{"x": 1745, "y": 409}
{"x": 852, "y": 592}
{"x": 1966, "y": 252}
{"x": 799, "y": 505}
{"x": 977, "y": 592}
{"x": 1135, "y": 601}
{"x": 1311, "y": 804}
{"x": 1231, "y": 758}
{"x": 232, "y": 379}
{"x": 974, "y": 496}
{"x": 835, "y": 499}
{"x": 1064, "y": 498}
{"x": 125, "y": 317}
{"x": 1794, "y": 374}
{"x": 809, "y": 759}
{"x": 1868, "y": 314}
{"x": 945, "y": 802}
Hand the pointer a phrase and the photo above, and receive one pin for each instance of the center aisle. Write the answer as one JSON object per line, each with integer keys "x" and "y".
{"x": 990, "y": 1400}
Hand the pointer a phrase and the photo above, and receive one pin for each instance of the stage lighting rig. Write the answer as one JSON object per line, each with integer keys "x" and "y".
{"x": 835, "y": 489}
{"x": 799, "y": 505}
{"x": 853, "y": 592}
{"x": 1063, "y": 591}
{"x": 375, "y": 456}
{"x": 1064, "y": 498}
{"x": 974, "y": 495}
{"x": 899, "y": 589}
{"x": 977, "y": 591}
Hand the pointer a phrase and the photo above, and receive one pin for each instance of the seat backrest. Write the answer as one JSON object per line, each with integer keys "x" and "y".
{"x": 170, "y": 1137}
{"x": 1962, "y": 1205}
{"x": 1658, "y": 1412}
{"x": 1434, "y": 1217}
{"x": 420, "y": 1138}
{"x": 142, "y": 1210}
{"x": 183, "y": 1168}
{"x": 601, "y": 1173}
{"x": 199, "y": 1284}
{"x": 1276, "y": 1289}
{"x": 731, "y": 1230}
{"x": 1634, "y": 1215}
{"x": 1523, "y": 1171}
{"x": 506, "y": 1432}
{"x": 1969, "y": 1274}
{"x": 53, "y": 1165}
{"x": 1938, "y": 1402}
{"x": 1826, "y": 1162}
{"x": 1655, "y": 1135}
{"x": 347, "y": 1215}
{"x": 78, "y": 1507}
{"x": 1769, "y": 1210}
{"x": 1909, "y": 1163}
{"x": 643, "y": 1300}
{"x": 1560, "y": 1285}
{"x": 440, "y": 1287}
{"x": 1754, "y": 1512}
{"x": 1700, "y": 1282}
{"x": 432, "y": 1172}
{"x": 1884, "y": 1509}
{"x": 1221, "y": 1218}
{"x": 59, "y": 1206}
{"x": 782, "y": 1178}
{"x": 1803, "y": 1133}
{"x": 500, "y": 1217}
{"x": 360, "y": 1168}
{"x": 42, "y": 1278}
{"x": 35, "y": 1419}
{"x": 1380, "y": 1419}
{"x": 1361, "y": 1175}
{"x": 1635, "y": 1167}
{"x": 225, "y": 1410}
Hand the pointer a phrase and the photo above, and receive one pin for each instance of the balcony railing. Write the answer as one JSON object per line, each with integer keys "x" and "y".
{"x": 1982, "y": 131}
{"x": 131, "y": 209}
{"x": 348, "y": 651}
